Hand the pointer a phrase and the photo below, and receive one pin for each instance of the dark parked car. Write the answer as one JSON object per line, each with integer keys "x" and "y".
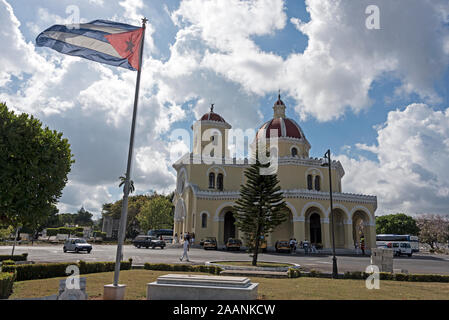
{"x": 148, "y": 241}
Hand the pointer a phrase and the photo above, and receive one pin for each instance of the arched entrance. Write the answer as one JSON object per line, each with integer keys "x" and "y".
{"x": 360, "y": 230}
{"x": 315, "y": 229}
{"x": 229, "y": 226}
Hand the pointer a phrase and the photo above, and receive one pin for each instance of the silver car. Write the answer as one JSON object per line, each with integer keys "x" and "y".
{"x": 77, "y": 245}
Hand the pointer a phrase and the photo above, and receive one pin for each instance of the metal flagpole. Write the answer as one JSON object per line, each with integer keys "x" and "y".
{"x": 122, "y": 229}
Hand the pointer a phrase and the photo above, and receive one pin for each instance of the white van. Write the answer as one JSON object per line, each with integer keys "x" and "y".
{"x": 400, "y": 248}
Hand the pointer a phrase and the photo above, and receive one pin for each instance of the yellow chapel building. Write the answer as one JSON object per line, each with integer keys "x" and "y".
{"x": 207, "y": 188}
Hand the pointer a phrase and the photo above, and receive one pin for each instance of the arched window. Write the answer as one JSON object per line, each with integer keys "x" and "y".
{"x": 211, "y": 180}
{"x": 294, "y": 152}
{"x": 309, "y": 182}
{"x": 220, "y": 181}
{"x": 204, "y": 220}
{"x": 317, "y": 183}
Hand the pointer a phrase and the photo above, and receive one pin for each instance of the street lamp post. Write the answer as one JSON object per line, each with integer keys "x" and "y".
{"x": 334, "y": 259}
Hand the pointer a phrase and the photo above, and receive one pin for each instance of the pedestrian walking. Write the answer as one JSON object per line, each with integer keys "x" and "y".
{"x": 291, "y": 244}
{"x": 193, "y": 238}
{"x": 362, "y": 246}
{"x": 176, "y": 238}
{"x": 186, "y": 247}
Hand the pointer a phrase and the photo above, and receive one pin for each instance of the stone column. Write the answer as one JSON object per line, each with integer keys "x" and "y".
{"x": 349, "y": 240}
{"x": 325, "y": 233}
{"x": 372, "y": 236}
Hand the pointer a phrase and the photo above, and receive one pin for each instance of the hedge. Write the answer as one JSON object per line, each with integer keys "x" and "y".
{"x": 6, "y": 283}
{"x": 63, "y": 230}
{"x": 399, "y": 276}
{"x": 96, "y": 267}
{"x": 20, "y": 257}
{"x": 100, "y": 234}
{"x": 53, "y": 270}
{"x": 182, "y": 267}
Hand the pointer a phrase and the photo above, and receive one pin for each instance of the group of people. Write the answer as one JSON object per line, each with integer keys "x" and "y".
{"x": 308, "y": 247}
{"x": 362, "y": 246}
{"x": 187, "y": 236}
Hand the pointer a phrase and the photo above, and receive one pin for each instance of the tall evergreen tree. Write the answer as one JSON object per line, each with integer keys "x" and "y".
{"x": 260, "y": 208}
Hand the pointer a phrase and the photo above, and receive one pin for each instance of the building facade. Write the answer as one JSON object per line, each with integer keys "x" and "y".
{"x": 208, "y": 186}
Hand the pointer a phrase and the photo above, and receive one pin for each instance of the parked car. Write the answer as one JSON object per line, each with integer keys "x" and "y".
{"x": 400, "y": 248}
{"x": 77, "y": 245}
{"x": 233, "y": 244}
{"x": 148, "y": 241}
{"x": 209, "y": 243}
{"x": 282, "y": 246}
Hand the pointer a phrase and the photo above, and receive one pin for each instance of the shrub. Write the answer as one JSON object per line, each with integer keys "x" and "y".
{"x": 53, "y": 270}
{"x": 95, "y": 267}
{"x": 293, "y": 273}
{"x": 6, "y": 283}
{"x": 428, "y": 278}
{"x": 314, "y": 273}
{"x": 8, "y": 262}
{"x": 21, "y": 257}
{"x": 401, "y": 277}
{"x": 38, "y": 271}
{"x": 358, "y": 275}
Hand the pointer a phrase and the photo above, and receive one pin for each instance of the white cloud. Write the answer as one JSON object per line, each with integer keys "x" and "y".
{"x": 343, "y": 58}
{"x": 410, "y": 174}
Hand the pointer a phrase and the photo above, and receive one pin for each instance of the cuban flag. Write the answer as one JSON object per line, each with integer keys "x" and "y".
{"x": 108, "y": 42}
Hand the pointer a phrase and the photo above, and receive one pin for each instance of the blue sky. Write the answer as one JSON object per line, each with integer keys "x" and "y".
{"x": 377, "y": 98}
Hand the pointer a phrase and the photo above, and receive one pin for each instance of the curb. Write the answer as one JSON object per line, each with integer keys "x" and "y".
{"x": 273, "y": 269}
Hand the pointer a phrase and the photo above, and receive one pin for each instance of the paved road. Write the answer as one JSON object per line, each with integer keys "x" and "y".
{"x": 419, "y": 263}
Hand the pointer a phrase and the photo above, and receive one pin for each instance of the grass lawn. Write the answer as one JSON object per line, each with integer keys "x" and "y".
{"x": 273, "y": 289}
{"x": 249, "y": 264}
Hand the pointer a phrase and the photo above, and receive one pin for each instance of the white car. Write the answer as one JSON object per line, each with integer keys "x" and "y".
{"x": 77, "y": 245}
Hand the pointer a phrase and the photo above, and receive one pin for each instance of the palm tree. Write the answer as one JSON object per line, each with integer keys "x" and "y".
{"x": 131, "y": 184}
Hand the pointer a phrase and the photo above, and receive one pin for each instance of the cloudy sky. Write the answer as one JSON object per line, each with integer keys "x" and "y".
{"x": 378, "y": 98}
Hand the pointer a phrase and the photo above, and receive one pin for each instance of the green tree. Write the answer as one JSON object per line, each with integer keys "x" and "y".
{"x": 34, "y": 164}
{"x": 66, "y": 219}
{"x": 135, "y": 203}
{"x": 398, "y": 223}
{"x": 83, "y": 218}
{"x": 156, "y": 214}
{"x": 260, "y": 208}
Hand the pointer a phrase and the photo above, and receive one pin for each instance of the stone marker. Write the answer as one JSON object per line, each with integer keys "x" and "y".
{"x": 72, "y": 294}
{"x": 383, "y": 258}
{"x": 200, "y": 287}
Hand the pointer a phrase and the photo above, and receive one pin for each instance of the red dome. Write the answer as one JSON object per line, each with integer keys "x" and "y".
{"x": 285, "y": 127}
{"x": 212, "y": 116}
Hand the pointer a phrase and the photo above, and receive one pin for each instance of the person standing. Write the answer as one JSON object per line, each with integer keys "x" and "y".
{"x": 362, "y": 246}
{"x": 186, "y": 247}
{"x": 306, "y": 247}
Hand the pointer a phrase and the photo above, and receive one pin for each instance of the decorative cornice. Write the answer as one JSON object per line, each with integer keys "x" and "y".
{"x": 290, "y": 194}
